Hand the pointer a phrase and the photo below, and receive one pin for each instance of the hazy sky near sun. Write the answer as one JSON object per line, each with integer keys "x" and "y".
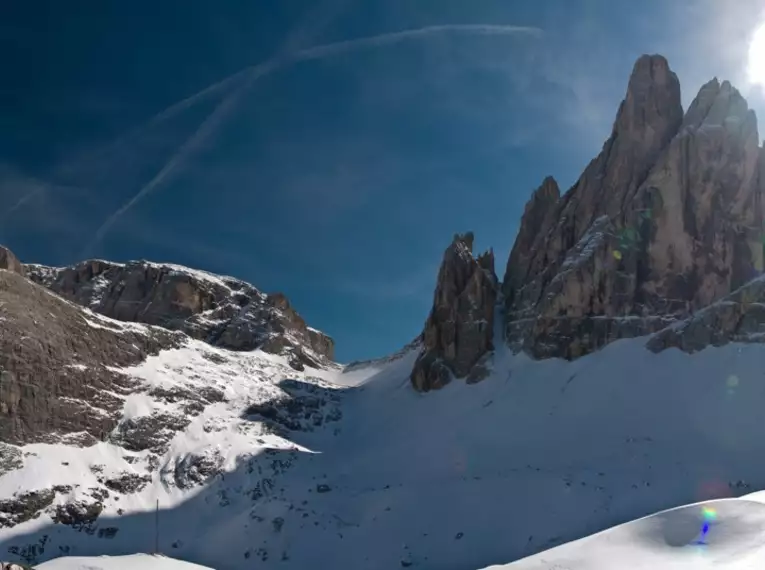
{"x": 328, "y": 166}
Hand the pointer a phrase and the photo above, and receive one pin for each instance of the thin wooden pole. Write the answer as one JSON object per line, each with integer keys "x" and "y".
{"x": 156, "y": 530}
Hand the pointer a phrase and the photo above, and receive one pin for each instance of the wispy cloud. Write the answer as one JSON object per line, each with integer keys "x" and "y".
{"x": 320, "y": 52}
{"x": 31, "y": 207}
{"x": 18, "y": 190}
{"x": 209, "y": 126}
{"x": 250, "y": 75}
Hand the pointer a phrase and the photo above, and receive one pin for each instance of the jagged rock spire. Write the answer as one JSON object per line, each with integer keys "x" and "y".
{"x": 459, "y": 329}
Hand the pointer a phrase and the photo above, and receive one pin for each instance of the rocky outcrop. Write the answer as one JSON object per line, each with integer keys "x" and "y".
{"x": 738, "y": 317}
{"x": 128, "y": 483}
{"x": 24, "y": 507}
{"x": 459, "y": 329}
{"x": 664, "y": 221}
{"x": 152, "y": 433}
{"x": 223, "y": 311}
{"x": 9, "y": 262}
{"x": 57, "y": 377}
{"x": 80, "y": 515}
{"x": 300, "y": 407}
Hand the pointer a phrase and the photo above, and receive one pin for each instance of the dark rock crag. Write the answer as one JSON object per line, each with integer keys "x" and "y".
{"x": 460, "y": 328}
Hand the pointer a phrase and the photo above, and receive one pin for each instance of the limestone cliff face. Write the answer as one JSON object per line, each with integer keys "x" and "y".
{"x": 737, "y": 317}
{"x": 706, "y": 200}
{"x": 58, "y": 369}
{"x": 459, "y": 329}
{"x": 664, "y": 221}
{"x": 539, "y": 217}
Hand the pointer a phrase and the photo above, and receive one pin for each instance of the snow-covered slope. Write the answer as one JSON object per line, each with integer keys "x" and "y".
{"x": 134, "y": 562}
{"x": 317, "y": 468}
{"x": 724, "y": 534}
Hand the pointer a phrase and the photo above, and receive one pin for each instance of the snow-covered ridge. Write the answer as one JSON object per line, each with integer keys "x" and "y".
{"x": 379, "y": 362}
{"x": 225, "y": 280}
{"x": 131, "y": 562}
{"x": 220, "y": 310}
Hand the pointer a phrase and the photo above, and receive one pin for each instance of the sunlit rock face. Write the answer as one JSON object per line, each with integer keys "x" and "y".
{"x": 664, "y": 221}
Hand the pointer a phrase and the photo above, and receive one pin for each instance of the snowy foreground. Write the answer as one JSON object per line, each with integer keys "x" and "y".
{"x": 362, "y": 472}
{"x": 726, "y": 534}
{"x": 134, "y": 562}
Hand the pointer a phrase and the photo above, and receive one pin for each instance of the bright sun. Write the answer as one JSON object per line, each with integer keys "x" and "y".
{"x": 756, "y": 66}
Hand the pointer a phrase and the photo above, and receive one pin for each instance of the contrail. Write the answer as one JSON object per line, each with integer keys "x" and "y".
{"x": 320, "y": 52}
{"x": 207, "y": 128}
{"x": 316, "y": 18}
{"x": 168, "y": 113}
{"x": 34, "y": 189}
{"x": 255, "y": 72}
{"x": 32, "y": 193}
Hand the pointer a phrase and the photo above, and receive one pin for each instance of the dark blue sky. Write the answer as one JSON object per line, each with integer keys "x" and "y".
{"x": 337, "y": 175}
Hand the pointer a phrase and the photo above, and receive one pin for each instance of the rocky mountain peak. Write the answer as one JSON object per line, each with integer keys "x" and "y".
{"x": 648, "y": 117}
{"x": 459, "y": 329}
{"x": 486, "y": 260}
{"x": 538, "y": 218}
{"x": 651, "y": 110}
{"x": 548, "y": 192}
{"x": 664, "y": 221}
{"x": 464, "y": 241}
{"x": 667, "y": 219}
{"x": 721, "y": 105}
{"x": 222, "y": 311}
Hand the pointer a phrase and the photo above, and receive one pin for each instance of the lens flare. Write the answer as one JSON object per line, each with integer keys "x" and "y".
{"x": 709, "y": 514}
{"x": 756, "y": 65}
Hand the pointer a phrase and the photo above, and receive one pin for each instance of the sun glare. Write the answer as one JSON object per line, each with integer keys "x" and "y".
{"x": 756, "y": 65}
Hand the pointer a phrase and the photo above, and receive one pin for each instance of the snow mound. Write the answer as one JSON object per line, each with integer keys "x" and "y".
{"x": 132, "y": 562}
{"x": 726, "y": 534}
